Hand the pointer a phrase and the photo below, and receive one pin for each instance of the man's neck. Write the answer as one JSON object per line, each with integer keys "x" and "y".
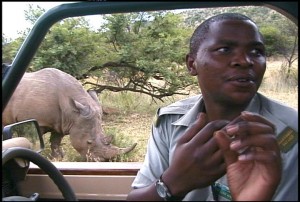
{"x": 224, "y": 112}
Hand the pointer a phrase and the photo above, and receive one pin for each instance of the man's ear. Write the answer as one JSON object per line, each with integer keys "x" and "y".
{"x": 191, "y": 64}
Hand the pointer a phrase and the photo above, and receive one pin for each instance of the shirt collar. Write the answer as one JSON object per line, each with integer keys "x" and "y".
{"x": 191, "y": 115}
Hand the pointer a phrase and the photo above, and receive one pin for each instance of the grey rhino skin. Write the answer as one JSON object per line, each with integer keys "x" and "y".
{"x": 63, "y": 107}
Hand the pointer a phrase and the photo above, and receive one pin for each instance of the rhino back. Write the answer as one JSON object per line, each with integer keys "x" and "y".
{"x": 44, "y": 95}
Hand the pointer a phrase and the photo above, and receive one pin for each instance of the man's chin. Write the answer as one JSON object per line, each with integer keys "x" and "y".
{"x": 242, "y": 99}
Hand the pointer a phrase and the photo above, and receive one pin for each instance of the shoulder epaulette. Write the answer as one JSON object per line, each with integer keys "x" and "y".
{"x": 180, "y": 107}
{"x": 167, "y": 110}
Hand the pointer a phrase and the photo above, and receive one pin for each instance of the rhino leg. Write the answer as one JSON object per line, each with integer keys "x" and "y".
{"x": 55, "y": 140}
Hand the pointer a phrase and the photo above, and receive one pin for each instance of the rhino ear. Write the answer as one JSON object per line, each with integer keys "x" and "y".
{"x": 83, "y": 109}
{"x": 93, "y": 94}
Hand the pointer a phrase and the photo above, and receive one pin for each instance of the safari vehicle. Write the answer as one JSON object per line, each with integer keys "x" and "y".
{"x": 45, "y": 180}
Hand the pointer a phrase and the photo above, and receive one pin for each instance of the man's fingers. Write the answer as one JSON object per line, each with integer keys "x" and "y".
{"x": 194, "y": 128}
{"x": 249, "y": 116}
{"x": 265, "y": 141}
{"x": 224, "y": 143}
{"x": 207, "y": 131}
{"x": 246, "y": 128}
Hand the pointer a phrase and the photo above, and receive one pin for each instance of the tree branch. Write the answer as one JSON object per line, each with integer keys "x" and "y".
{"x": 99, "y": 88}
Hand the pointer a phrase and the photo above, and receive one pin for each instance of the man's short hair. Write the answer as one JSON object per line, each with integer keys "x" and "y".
{"x": 200, "y": 32}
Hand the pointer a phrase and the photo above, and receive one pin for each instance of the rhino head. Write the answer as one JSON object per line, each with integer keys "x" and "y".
{"x": 86, "y": 133}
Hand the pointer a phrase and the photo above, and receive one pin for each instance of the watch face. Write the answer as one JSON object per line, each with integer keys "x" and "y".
{"x": 161, "y": 190}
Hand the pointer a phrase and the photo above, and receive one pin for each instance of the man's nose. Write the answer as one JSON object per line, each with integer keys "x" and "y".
{"x": 242, "y": 59}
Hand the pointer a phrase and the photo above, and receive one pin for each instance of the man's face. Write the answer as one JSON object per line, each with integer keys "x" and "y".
{"x": 230, "y": 62}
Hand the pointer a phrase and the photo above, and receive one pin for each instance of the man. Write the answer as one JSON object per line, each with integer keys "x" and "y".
{"x": 228, "y": 142}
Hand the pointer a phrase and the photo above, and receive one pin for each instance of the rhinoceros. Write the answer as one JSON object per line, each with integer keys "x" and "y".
{"x": 62, "y": 106}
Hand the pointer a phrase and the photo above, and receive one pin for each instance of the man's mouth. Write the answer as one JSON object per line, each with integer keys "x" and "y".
{"x": 241, "y": 78}
{"x": 244, "y": 79}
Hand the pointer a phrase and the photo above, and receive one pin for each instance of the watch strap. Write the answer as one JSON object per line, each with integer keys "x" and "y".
{"x": 169, "y": 196}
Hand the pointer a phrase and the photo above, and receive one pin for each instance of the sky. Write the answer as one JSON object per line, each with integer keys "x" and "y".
{"x": 13, "y": 16}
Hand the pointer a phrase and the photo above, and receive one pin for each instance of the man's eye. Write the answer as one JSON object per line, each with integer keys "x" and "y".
{"x": 258, "y": 52}
{"x": 223, "y": 49}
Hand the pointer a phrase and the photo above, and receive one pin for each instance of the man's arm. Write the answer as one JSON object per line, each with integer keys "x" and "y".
{"x": 144, "y": 194}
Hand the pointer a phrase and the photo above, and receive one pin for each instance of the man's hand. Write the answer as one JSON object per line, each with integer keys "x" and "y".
{"x": 252, "y": 157}
{"x": 197, "y": 160}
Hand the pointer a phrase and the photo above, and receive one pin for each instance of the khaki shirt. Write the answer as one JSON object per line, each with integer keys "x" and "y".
{"x": 173, "y": 120}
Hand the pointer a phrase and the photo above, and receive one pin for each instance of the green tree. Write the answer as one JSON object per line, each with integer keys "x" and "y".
{"x": 32, "y": 13}
{"x": 272, "y": 38}
{"x": 147, "y": 54}
{"x": 68, "y": 47}
{"x": 9, "y": 46}
{"x": 288, "y": 45}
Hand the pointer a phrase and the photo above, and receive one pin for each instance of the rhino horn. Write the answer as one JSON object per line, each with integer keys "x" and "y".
{"x": 114, "y": 151}
{"x": 126, "y": 150}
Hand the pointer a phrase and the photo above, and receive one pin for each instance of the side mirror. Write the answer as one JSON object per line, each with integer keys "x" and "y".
{"x": 28, "y": 129}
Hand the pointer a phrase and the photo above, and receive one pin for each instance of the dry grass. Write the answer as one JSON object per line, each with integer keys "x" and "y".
{"x": 275, "y": 87}
{"x": 130, "y": 128}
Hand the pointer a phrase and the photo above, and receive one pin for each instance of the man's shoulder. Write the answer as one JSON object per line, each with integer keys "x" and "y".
{"x": 276, "y": 107}
{"x": 179, "y": 107}
{"x": 280, "y": 111}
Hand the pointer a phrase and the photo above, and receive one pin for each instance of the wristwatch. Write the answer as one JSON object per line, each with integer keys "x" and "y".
{"x": 164, "y": 192}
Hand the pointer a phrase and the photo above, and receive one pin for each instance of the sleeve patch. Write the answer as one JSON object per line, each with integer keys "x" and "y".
{"x": 287, "y": 139}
